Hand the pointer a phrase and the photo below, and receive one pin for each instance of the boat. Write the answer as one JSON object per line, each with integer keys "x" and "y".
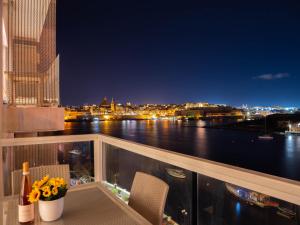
{"x": 266, "y": 137}
{"x": 292, "y": 132}
{"x": 251, "y": 197}
{"x": 285, "y": 212}
{"x": 178, "y": 173}
{"x": 284, "y": 215}
{"x": 75, "y": 152}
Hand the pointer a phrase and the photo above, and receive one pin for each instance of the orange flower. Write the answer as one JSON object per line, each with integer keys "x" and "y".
{"x": 34, "y": 195}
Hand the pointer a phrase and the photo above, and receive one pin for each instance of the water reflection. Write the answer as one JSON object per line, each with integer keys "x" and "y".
{"x": 290, "y": 146}
{"x": 292, "y": 154}
{"x": 238, "y": 208}
{"x": 95, "y": 125}
{"x": 202, "y": 140}
{"x": 280, "y": 156}
{"x": 201, "y": 123}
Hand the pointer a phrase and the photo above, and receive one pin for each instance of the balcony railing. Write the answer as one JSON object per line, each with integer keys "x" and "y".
{"x": 201, "y": 191}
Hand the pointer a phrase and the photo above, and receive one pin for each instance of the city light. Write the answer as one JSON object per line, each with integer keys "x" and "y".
{"x": 106, "y": 117}
{"x": 186, "y": 111}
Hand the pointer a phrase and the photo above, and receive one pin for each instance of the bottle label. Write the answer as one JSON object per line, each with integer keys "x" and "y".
{"x": 26, "y": 213}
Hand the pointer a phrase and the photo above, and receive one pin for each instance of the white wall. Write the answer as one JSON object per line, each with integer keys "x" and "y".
{"x": 32, "y": 119}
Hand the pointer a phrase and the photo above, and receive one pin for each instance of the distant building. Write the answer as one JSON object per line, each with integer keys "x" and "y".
{"x": 210, "y": 112}
{"x": 104, "y": 107}
{"x": 295, "y": 127}
{"x": 104, "y": 103}
{"x": 190, "y": 105}
{"x": 113, "y": 106}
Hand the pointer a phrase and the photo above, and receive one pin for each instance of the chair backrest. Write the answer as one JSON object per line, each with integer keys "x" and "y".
{"x": 148, "y": 197}
{"x": 37, "y": 173}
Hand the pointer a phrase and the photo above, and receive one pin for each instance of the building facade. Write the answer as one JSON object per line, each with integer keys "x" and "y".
{"x": 30, "y": 67}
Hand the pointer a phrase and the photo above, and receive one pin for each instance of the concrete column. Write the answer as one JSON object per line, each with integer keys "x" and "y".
{"x": 1, "y": 106}
{"x": 1, "y": 71}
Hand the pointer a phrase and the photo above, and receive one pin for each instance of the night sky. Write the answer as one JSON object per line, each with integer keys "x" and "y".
{"x": 229, "y": 52}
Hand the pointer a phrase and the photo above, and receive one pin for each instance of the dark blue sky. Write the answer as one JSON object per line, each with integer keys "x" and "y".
{"x": 234, "y": 52}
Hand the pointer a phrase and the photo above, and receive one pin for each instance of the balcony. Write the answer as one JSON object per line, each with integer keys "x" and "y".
{"x": 201, "y": 191}
{"x": 32, "y": 119}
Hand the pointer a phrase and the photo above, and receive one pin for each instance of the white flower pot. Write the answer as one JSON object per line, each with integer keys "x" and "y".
{"x": 51, "y": 210}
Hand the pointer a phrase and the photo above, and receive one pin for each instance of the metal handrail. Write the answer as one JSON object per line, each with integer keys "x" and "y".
{"x": 278, "y": 187}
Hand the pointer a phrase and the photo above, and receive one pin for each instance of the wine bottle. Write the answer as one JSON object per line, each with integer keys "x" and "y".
{"x": 26, "y": 209}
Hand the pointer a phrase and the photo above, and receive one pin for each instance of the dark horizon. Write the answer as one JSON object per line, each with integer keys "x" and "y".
{"x": 174, "y": 52}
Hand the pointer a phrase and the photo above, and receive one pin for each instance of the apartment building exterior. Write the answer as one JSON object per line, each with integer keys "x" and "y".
{"x": 29, "y": 68}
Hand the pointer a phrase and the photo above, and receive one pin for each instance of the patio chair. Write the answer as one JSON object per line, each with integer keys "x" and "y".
{"x": 37, "y": 173}
{"x": 148, "y": 197}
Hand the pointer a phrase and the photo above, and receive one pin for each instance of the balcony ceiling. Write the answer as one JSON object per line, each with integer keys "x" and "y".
{"x": 30, "y": 15}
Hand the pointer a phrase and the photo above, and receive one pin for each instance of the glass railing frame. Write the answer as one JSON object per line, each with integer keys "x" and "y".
{"x": 11, "y": 142}
{"x": 277, "y": 187}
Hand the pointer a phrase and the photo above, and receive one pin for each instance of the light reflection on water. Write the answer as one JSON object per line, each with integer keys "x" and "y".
{"x": 280, "y": 156}
{"x": 201, "y": 139}
{"x": 238, "y": 208}
{"x": 292, "y": 155}
{"x": 289, "y": 146}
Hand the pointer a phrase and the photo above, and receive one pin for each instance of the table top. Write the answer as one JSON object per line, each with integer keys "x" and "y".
{"x": 90, "y": 204}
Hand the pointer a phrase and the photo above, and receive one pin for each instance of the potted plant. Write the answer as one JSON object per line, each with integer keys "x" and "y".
{"x": 49, "y": 192}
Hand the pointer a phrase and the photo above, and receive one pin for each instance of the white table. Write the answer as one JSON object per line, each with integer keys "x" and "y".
{"x": 90, "y": 204}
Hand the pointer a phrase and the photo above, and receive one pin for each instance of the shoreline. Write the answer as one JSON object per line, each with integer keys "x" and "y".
{"x": 275, "y": 123}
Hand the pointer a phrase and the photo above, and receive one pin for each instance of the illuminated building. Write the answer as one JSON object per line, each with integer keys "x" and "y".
{"x": 151, "y": 111}
{"x": 210, "y": 112}
{"x": 104, "y": 106}
{"x": 190, "y": 105}
{"x": 104, "y": 102}
{"x": 294, "y": 127}
{"x": 113, "y": 106}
